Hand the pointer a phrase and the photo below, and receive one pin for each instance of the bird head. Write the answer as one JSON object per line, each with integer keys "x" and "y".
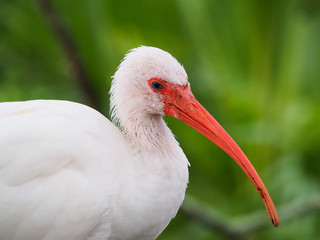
{"x": 131, "y": 90}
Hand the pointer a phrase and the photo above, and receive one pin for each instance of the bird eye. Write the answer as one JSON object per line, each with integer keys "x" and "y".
{"x": 156, "y": 85}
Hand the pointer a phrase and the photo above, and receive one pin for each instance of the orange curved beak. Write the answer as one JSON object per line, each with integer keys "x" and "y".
{"x": 181, "y": 104}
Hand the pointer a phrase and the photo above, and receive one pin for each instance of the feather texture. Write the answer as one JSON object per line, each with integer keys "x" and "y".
{"x": 66, "y": 172}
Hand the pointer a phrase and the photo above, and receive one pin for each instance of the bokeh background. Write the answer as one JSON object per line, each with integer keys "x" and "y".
{"x": 254, "y": 64}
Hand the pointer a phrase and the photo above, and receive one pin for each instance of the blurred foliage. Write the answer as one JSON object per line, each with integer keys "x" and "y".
{"x": 255, "y": 65}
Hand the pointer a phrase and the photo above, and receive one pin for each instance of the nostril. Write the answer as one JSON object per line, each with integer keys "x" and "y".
{"x": 194, "y": 105}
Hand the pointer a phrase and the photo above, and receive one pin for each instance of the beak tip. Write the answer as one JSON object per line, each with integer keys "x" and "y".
{"x": 275, "y": 222}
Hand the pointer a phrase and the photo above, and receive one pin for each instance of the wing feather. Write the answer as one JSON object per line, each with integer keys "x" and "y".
{"x": 57, "y": 169}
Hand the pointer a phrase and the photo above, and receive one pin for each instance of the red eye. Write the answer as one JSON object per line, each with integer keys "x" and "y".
{"x": 157, "y": 84}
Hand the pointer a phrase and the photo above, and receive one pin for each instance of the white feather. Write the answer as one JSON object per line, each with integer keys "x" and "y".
{"x": 66, "y": 172}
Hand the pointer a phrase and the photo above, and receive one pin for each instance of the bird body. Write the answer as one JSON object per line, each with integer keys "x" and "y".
{"x": 67, "y": 172}
{"x": 62, "y": 173}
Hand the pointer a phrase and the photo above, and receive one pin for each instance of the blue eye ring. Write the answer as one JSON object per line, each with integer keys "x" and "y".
{"x": 156, "y": 85}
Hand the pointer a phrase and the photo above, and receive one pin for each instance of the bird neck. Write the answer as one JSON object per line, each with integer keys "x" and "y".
{"x": 149, "y": 133}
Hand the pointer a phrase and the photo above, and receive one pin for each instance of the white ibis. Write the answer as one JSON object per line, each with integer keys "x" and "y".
{"x": 66, "y": 172}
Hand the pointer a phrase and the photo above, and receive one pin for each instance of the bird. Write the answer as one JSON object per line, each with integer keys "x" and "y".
{"x": 67, "y": 172}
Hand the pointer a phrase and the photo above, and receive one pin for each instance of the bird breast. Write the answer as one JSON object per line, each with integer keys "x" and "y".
{"x": 152, "y": 194}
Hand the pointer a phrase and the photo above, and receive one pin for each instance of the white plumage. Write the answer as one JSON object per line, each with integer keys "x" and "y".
{"x": 66, "y": 172}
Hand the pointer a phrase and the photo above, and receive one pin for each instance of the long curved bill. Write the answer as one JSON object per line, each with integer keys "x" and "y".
{"x": 182, "y": 105}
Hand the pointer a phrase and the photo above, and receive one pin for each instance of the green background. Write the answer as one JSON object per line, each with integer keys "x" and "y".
{"x": 254, "y": 65}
